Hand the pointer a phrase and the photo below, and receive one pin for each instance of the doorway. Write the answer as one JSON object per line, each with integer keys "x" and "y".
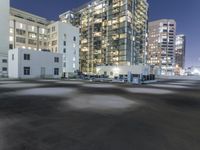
{"x": 43, "y": 72}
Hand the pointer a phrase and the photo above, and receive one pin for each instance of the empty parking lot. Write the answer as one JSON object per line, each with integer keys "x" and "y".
{"x": 76, "y": 115}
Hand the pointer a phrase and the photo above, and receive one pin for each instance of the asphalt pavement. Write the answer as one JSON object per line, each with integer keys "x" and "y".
{"x": 76, "y": 115}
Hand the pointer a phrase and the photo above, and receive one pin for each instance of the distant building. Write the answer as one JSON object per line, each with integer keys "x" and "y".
{"x": 161, "y": 46}
{"x": 4, "y": 36}
{"x": 26, "y": 64}
{"x": 180, "y": 51}
{"x": 193, "y": 71}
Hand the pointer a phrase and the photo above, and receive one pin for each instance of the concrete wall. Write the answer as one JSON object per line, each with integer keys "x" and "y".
{"x": 13, "y": 65}
{"x": 190, "y": 78}
{"x": 4, "y": 26}
{"x": 37, "y": 61}
{"x": 4, "y": 34}
{"x": 113, "y": 71}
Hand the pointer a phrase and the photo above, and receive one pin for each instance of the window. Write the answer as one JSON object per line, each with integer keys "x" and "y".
{"x": 4, "y": 69}
{"x": 45, "y": 43}
{"x": 20, "y": 40}
{"x": 65, "y": 36}
{"x": 56, "y": 71}
{"x": 40, "y": 43}
{"x": 11, "y": 30}
{"x": 64, "y": 43}
{"x": 13, "y": 56}
{"x": 32, "y": 42}
{"x": 10, "y": 46}
{"x": 11, "y": 38}
{"x": 32, "y": 35}
{"x": 64, "y": 50}
{"x": 4, "y": 60}
{"x": 20, "y": 32}
{"x": 64, "y": 64}
{"x": 56, "y": 59}
{"x": 26, "y": 56}
{"x": 26, "y": 70}
{"x": 53, "y": 28}
{"x": 74, "y": 38}
{"x": 54, "y": 42}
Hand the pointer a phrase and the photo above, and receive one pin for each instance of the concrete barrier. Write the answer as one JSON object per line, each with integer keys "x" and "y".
{"x": 179, "y": 77}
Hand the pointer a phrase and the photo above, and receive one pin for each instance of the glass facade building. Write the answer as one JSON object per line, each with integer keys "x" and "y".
{"x": 112, "y": 32}
{"x": 180, "y": 51}
{"x": 161, "y": 46}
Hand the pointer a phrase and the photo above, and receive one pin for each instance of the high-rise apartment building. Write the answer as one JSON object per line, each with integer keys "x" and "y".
{"x": 112, "y": 32}
{"x": 161, "y": 46}
{"x": 180, "y": 51}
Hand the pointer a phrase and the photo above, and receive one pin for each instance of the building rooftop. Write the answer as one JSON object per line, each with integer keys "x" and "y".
{"x": 28, "y": 16}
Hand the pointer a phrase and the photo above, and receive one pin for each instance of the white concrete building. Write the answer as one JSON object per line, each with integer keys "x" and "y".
{"x": 4, "y": 35}
{"x": 26, "y": 64}
{"x": 64, "y": 39}
{"x": 113, "y": 71}
{"x": 29, "y": 31}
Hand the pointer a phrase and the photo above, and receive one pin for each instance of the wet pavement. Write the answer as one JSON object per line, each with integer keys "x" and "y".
{"x": 75, "y": 115}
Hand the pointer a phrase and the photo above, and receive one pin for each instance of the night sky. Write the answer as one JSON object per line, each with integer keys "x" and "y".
{"x": 185, "y": 12}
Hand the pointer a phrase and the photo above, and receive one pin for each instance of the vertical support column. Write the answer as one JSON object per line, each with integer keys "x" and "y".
{"x": 126, "y": 31}
{"x": 38, "y": 40}
{"x": 14, "y": 34}
{"x": 107, "y": 35}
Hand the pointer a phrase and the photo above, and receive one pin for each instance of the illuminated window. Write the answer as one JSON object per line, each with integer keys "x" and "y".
{"x": 11, "y": 38}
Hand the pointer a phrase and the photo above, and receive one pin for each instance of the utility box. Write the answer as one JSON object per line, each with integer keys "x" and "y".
{"x": 136, "y": 80}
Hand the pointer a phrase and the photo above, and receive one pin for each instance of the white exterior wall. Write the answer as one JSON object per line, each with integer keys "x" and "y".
{"x": 38, "y": 60}
{"x": 4, "y": 34}
{"x": 67, "y": 32}
{"x": 71, "y": 57}
{"x": 4, "y": 26}
{"x": 13, "y": 66}
{"x": 113, "y": 71}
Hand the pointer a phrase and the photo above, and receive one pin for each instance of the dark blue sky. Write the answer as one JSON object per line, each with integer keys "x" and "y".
{"x": 185, "y": 12}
